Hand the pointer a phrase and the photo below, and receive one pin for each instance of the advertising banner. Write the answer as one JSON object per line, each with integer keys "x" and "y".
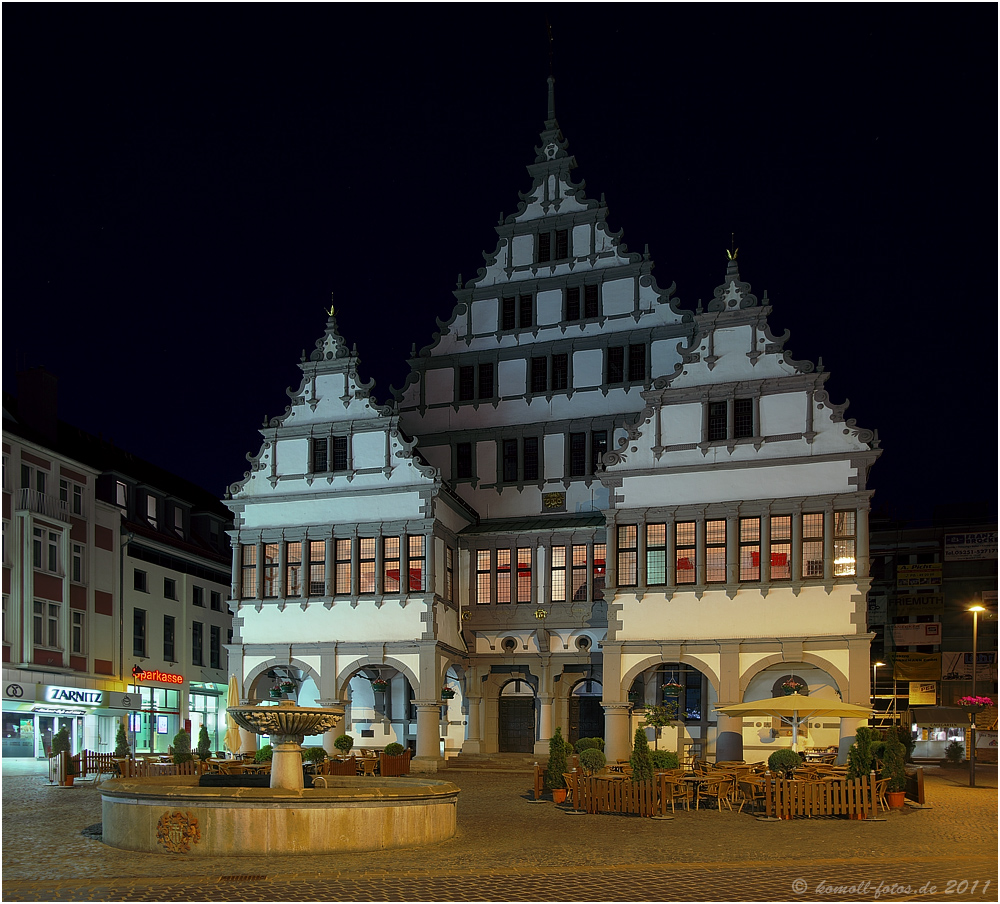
{"x": 878, "y": 609}
{"x": 958, "y": 666}
{"x": 918, "y": 603}
{"x": 917, "y": 633}
{"x": 970, "y": 547}
{"x": 923, "y": 693}
{"x": 118, "y": 700}
{"x": 916, "y": 666}
{"x": 986, "y": 740}
{"x": 918, "y": 575}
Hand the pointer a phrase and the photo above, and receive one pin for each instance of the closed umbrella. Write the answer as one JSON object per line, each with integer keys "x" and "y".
{"x": 797, "y": 708}
{"x": 233, "y": 740}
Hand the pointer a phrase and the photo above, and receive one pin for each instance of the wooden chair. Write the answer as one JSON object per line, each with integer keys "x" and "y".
{"x": 880, "y": 786}
{"x": 676, "y": 790}
{"x": 718, "y": 790}
{"x": 750, "y": 792}
{"x": 367, "y": 766}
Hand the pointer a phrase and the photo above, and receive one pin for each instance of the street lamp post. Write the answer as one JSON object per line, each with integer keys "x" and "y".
{"x": 875, "y": 666}
{"x": 975, "y": 610}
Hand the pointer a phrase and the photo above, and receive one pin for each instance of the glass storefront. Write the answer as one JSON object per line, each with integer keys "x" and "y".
{"x": 159, "y": 720}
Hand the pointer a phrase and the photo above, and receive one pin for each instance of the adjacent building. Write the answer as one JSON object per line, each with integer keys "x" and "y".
{"x": 115, "y": 589}
{"x": 587, "y": 499}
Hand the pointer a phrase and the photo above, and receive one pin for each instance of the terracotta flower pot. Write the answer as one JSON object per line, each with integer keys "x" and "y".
{"x": 559, "y": 795}
{"x": 896, "y": 799}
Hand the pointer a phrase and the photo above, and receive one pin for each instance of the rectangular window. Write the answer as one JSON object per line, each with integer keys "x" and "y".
{"x": 214, "y": 647}
{"x": 503, "y": 575}
{"x": 526, "y": 312}
{"x": 463, "y": 461}
{"x": 530, "y": 458}
{"x": 578, "y": 574}
{"x": 390, "y": 564}
{"x": 507, "y": 312}
{"x": 717, "y": 420}
{"x": 781, "y": 547}
{"x": 293, "y": 569}
{"x": 151, "y": 510}
{"x": 523, "y": 575}
{"x": 544, "y": 247}
{"x": 812, "y": 545}
{"x": 466, "y": 383}
{"x": 558, "y": 574}
{"x": 317, "y": 567}
{"x": 216, "y": 599}
{"x": 197, "y": 635}
{"x": 628, "y": 561}
{"x": 272, "y": 587}
{"x": 366, "y": 564}
{"x": 486, "y": 381}
{"x": 77, "y": 499}
{"x": 656, "y": 554}
{"x": 483, "y": 594}
{"x": 248, "y": 572}
{"x": 47, "y": 624}
{"x": 539, "y": 374}
{"x": 339, "y": 453}
{"x": 598, "y": 446}
{"x": 560, "y": 372}
{"x": 319, "y": 455}
{"x": 416, "y": 546}
{"x": 37, "y": 535}
{"x": 77, "y": 573}
{"x": 168, "y": 638}
{"x": 749, "y": 549}
{"x": 342, "y": 566}
{"x": 578, "y": 455}
{"x": 573, "y": 303}
{"x": 449, "y": 574}
{"x": 64, "y": 493}
{"x": 139, "y": 580}
{"x": 590, "y": 303}
{"x": 636, "y": 363}
{"x": 715, "y": 551}
{"x": 562, "y": 244}
{"x": 510, "y": 460}
{"x": 139, "y": 632}
{"x": 743, "y": 418}
{"x": 121, "y": 494}
{"x": 616, "y": 364}
{"x": 52, "y": 548}
{"x": 685, "y": 552}
{"x": 78, "y": 635}
{"x": 600, "y": 569}
{"x": 198, "y": 596}
{"x": 844, "y": 543}
{"x": 179, "y": 522}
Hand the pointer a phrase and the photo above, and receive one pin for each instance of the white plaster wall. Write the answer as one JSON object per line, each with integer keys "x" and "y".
{"x": 617, "y": 295}
{"x": 588, "y": 368}
{"x": 368, "y": 450}
{"x": 375, "y": 507}
{"x": 549, "y": 307}
{"x": 554, "y": 456}
{"x": 448, "y": 628}
{"x": 784, "y": 413}
{"x": 293, "y": 456}
{"x": 343, "y": 623}
{"x": 663, "y": 357}
{"x": 512, "y": 376}
{"x": 679, "y": 424}
{"x": 484, "y": 315}
{"x": 733, "y": 342}
{"x": 439, "y": 386}
{"x": 747, "y": 615}
{"x": 581, "y": 241}
{"x": 438, "y": 457}
{"x": 522, "y": 250}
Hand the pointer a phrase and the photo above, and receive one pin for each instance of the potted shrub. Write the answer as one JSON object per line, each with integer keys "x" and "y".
{"x": 640, "y": 760}
{"x": 182, "y": 747}
{"x": 554, "y": 780}
{"x": 204, "y": 744}
{"x": 954, "y": 753}
{"x": 344, "y": 743}
{"x": 892, "y": 769}
{"x": 394, "y": 760}
{"x": 122, "y": 749}
{"x": 784, "y": 762}
{"x": 664, "y": 759}
{"x": 860, "y": 756}
{"x": 592, "y": 760}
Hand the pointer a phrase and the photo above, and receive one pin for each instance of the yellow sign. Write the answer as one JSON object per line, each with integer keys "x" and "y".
{"x": 918, "y": 576}
{"x": 916, "y": 667}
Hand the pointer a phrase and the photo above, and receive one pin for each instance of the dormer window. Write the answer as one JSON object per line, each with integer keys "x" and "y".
{"x": 151, "y": 510}
{"x": 557, "y": 241}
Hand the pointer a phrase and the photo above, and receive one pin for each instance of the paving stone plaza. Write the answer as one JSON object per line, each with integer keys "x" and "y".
{"x": 510, "y": 849}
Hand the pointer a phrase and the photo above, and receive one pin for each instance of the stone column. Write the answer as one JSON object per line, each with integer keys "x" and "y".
{"x": 729, "y": 742}
{"x": 473, "y": 738}
{"x": 428, "y": 757}
{"x": 545, "y": 728}
{"x": 617, "y": 743}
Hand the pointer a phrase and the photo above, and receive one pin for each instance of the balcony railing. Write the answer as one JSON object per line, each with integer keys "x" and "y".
{"x": 42, "y": 504}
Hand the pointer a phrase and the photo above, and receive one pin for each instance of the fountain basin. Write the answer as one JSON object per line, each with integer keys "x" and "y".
{"x": 172, "y": 815}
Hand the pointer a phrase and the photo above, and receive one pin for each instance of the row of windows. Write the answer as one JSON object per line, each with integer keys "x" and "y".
{"x": 520, "y": 459}
{"x": 139, "y": 640}
{"x": 341, "y": 567}
{"x": 505, "y": 575}
{"x": 140, "y": 582}
{"x": 697, "y": 552}
{"x": 150, "y": 508}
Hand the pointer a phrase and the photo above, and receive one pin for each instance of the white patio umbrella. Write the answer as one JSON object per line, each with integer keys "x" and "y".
{"x": 233, "y": 741}
{"x": 797, "y": 708}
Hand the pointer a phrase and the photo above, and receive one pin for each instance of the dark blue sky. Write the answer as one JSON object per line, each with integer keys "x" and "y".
{"x": 186, "y": 185}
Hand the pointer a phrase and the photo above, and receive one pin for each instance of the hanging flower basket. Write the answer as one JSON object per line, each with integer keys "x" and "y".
{"x": 275, "y": 693}
{"x": 287, "y": 687}
{"x": 380, "y": 685}
{"x": 634, "y": 696}
{"x": 793, "y": 687}
{"x": 974, "y": 704}
{"x": 671, "y": 689}
{"x": 447, "y": 693}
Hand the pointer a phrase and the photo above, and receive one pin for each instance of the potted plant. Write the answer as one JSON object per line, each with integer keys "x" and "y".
{"x": 953, "y": 753}
{"x": 784, "y": 762}
{"x": 671, "y": 689}
{"x": 204, "y": 744}
{"x": 394, "y": 760}
{"x": 791, "y": 686}
{"x": 554, "y": 780}
{"x": 275, "y": 692}
{"x": 860, "y": 756}
{"x": 592, "y": 760}
{"x": 974, "y": 704}
{"x": 664, "y": 759}
{"x": 640, "y": 760}
{"x": 122, "y": 749}
{"x": 182, "y": 747}
{"x": 287, "y": 686}
{"x": 893, "y": 758}
{"x": 380, "y": 685}
{"x": 60, "y": 746}
{"x": 344, "y": 743}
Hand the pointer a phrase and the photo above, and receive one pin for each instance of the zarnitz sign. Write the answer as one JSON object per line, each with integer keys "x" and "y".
{"x": 982, "y": 545}
{"x": 73, "y": 695}
{"x": 157, "y": 675}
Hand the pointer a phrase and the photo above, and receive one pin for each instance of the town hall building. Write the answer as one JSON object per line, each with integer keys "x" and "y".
{"x": 585, "y": 500}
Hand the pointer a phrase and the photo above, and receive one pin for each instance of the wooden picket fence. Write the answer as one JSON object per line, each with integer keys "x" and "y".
{"x": 94, "y": 763}
{"x": 624, "y": 796}
{"x": 142, "y": 769}
{"x": 786, "y": 799}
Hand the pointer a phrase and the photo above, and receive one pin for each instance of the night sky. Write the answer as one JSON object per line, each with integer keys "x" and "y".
{"x": 185, "y": 187}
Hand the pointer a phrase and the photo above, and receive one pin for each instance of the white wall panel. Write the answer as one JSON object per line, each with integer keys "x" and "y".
{"x": 588, "y": 367}
{"x": 681, "y": 424}
{"x": 513, "y": 377}
{"x": 484, "y": 315}
{"x": 440, "y": 386}
{"x": 549, "y": 307}
{"x": 618, "y": 295}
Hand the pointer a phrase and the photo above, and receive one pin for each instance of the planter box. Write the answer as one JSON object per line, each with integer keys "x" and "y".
{"x": 394, "y": 765}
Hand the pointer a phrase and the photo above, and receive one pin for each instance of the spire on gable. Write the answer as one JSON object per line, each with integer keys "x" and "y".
{"x": 331, "y": 349}
{"x": 733, "y": 294}
{"x": 552, "y": 144}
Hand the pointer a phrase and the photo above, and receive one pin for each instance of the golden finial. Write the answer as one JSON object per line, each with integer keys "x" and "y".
{"x": 330, "y": 313}
{"x": 733, "y": 251}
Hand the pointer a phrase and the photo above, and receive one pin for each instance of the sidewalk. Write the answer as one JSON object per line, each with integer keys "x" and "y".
{"x": 500, "y": 831}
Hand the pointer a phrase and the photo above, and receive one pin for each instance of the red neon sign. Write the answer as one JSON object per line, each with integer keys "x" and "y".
{"x": 157, "y": 675}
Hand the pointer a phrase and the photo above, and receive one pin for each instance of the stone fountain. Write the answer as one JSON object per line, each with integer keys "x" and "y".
{"x": 287, "y": 724}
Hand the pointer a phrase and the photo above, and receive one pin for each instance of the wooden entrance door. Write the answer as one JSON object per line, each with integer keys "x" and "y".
{"x": 517, "y": 725}
{"x": 586, "y": 718}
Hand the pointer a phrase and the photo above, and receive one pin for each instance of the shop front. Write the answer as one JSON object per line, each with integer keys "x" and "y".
{"x": 34, "y": 713}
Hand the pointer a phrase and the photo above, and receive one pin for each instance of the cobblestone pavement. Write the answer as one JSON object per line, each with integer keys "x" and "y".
{"x": 510, "y": 849}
